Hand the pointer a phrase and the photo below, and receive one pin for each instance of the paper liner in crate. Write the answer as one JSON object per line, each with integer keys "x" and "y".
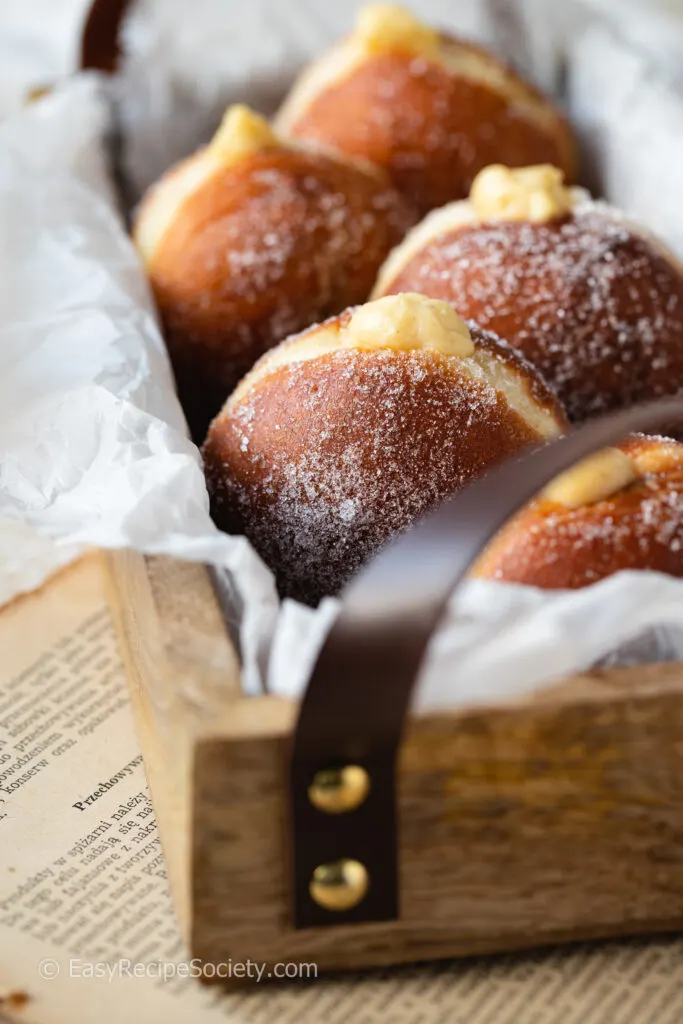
{"x": 92, "y": 441}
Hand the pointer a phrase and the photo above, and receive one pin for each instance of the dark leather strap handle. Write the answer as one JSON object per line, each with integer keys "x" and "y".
{"x": 358, "y": 697}
{"x": 101, "y": 35}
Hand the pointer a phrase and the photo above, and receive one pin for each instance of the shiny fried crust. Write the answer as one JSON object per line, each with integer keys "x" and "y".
{"x": 260, "y": 250}
{"x": 595, "y": 306}
{"x": 319, "y": 463}
{"x": 432, "y": 129}
{"x": 641, "y": 527}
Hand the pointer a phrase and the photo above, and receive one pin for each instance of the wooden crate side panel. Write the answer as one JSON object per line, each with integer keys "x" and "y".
{"x": 558, "y": 818}
{"x": 519, "y": 827}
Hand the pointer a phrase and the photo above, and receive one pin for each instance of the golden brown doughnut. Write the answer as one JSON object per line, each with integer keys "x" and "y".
{"x": 621, "y": 509}
{"x": 429, "y": 108}
{"x": 589, "y": 298}
{"x": 254, "y": 238}
{"x": 345, "y": 434}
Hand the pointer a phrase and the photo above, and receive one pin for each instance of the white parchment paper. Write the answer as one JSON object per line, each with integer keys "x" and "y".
{"x": 93, "y": 448}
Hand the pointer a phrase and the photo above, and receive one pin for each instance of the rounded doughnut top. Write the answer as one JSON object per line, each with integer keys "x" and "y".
{"x": 241, "y": 134}
{"x": 335, "y": 441}
{"x": 413, "y": 323}
{"x": 583, "y": 527}
{"x": 430, "y": 108}
{"x": 255, "y": 238}
{"x": 586, "y": 295}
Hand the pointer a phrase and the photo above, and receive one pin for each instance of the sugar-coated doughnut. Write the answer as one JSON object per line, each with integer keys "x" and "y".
{"x": 429, "y": 108}
{"x": 619, "y": 509}
{"x": 590, "y": 298}
{"x": 254, "y": 238}
{"x": 346, "y": 433}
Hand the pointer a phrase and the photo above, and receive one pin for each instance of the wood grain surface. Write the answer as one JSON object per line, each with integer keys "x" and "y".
{"x": 556, "y": 818}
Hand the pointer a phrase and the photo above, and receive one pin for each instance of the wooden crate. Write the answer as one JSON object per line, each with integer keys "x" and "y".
{"x": 556, "y": 818}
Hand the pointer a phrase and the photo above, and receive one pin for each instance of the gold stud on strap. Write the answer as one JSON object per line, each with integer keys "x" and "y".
{"x": 340, "y": 885}
{"x": 338, "y": 790}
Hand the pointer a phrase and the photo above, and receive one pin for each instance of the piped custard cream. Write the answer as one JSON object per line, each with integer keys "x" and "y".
{"x": 594, "y": 479}
{"x": 409, "y": 321}
{"x": 382, "y": 28}
{"x": 528, "y": 193}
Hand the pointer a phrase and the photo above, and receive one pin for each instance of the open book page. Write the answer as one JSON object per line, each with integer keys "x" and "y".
{"x": 87, "y": 930}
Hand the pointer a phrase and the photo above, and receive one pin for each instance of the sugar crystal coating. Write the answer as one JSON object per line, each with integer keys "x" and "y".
{"x": 321, "y": 461}
{"x": 432, "y": 119}
{"x": 639, "y": 527}
{"x": 594, "y": 305}
{"x": 261, "y": 249}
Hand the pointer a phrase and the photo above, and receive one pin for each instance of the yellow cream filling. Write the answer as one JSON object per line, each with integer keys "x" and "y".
{"x": 410, "y": 321}
{"x": 596, "y": 478}
{"x": 527, "y": 193}
{"x": 382, "y": 28}
{"x": 241, "y": 132}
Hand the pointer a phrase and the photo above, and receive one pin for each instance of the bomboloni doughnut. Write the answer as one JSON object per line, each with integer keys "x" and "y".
{"x": 619, "y": 509}
{"x": 586, "y": 296}
{"x": 431, "y": 109}
{"x": 345, "y": 434}
{"x": 252, "y": 239}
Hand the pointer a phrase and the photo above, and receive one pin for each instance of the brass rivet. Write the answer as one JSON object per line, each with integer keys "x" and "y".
{"x": 336, "y": 790}
{"x": 339, "y": 885}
